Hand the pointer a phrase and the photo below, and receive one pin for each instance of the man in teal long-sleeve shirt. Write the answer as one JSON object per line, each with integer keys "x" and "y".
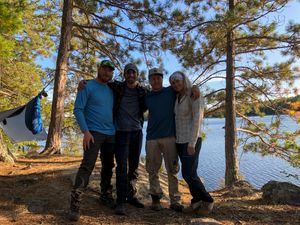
{"x": 94, "y": 113}
{"x": 161, "y": 139}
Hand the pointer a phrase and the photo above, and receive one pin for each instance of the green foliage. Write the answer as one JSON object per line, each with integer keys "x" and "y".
{"x": 10, "y": 23}
{"x": 28, "y": 28}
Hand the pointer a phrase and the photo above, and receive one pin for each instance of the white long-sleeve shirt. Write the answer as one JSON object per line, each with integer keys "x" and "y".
{"x": 188, "y": 119}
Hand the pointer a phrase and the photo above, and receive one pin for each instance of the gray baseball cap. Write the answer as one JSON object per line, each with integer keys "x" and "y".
{"x": 131, "y": 66}
{"x": 155, "y": 71}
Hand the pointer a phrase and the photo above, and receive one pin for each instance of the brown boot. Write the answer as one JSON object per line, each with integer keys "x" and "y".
{"x": 177, "y": 207}
{"x": 74, "y": 212}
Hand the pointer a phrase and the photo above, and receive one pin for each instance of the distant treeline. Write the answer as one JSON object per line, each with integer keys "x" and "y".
{"x": 278, "y": 106}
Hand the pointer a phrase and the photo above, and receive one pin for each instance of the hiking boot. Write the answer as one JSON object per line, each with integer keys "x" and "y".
{"x": 107, "y": 200}
{"x": 205, "y": 208}
{"x": 156, "y": 206}
{"x": 120, "y": 210}
{"x": 177, "y": 207}
{"x": 135, "y": 202}
{"x": 200, "y": 207}
{"x": 74, "y": 212}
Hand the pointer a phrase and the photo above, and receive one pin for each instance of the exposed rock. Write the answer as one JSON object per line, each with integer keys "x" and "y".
{"x": 281, "y": 193}
{"x": 204, "y": 221}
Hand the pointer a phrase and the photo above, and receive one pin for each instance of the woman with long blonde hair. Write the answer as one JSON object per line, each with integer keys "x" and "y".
{"x": 188, "y": 119}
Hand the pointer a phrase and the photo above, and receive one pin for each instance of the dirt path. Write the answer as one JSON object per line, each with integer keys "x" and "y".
{"x": 36, "y": 191}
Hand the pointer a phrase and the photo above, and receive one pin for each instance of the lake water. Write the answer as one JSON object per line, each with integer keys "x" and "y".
{"x": 255, "y": 168}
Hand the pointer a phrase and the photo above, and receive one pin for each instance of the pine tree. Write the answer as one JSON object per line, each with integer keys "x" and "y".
{"x": 102, "y": 29}
{"x": 236, "y": 38}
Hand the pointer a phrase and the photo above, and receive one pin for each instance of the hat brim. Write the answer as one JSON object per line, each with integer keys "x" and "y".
{"x": 113, "y": 68}
{"x": 159, "y": 74}
{"x": 133, "y": 69}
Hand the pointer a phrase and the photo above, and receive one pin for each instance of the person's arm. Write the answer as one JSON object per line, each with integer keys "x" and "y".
{"x": 142, "y": 99}
{"x": 115, "y": 85}
{"x": 195, "y": 93}
{"x": 197, "y": 119}
{"x": 81, "y": 85}
{"x": 80, "y": 103}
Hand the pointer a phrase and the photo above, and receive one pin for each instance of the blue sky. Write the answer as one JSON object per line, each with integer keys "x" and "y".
{"x": 171, "y": 64}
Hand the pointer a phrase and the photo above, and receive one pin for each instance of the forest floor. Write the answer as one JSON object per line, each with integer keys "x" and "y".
{"x": 37, "y": 191}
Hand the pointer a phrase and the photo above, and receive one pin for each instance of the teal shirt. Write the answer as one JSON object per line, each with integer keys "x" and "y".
{"x": 94, "y": 108}
{"x": 161, "y": 120}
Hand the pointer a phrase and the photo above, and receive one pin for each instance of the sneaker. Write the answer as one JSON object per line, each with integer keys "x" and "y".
{"x": 107, "y": 200}
{"x": 177, "y": 207}
{"x": 135, "y": 202}
{"x": 120, "y": 210}
{"x": 156, "y": 206}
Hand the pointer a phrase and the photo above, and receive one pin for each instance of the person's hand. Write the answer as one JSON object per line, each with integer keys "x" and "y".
{"x": 195, "y": 92}
{"x": 138, "y": 84}
{"x": 81, "y": 85}
{"x": 191, "y": 150}
{"x": 87, "y": 138}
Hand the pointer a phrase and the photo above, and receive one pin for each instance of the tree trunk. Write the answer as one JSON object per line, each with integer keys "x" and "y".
{"x": 231, "y": 173}
{"x": 53, "y": 143}
{"x": 5, "y": 155}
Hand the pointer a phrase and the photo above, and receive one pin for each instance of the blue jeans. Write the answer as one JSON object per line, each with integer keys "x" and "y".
{"x": 189, "y": 165}
{"x": 128, "y": 149}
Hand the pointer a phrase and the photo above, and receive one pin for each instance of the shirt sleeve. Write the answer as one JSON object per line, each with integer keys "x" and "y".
{"x": 80, "y": 103}
{"x": 197, "y": 115}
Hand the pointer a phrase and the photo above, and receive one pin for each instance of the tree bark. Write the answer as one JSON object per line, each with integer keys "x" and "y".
{"x": 5, "y": 155}
{"x": 53, "y": 144}
{"x": 231, "y": 173}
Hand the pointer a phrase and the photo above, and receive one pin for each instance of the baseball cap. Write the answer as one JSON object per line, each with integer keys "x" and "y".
{"x": 107, "y": 63}
{"x": 131, "y": 66}
{"x": 155, "y": 71}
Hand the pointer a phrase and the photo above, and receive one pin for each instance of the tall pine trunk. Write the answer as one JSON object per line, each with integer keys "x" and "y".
{"x": 231, "y": 173}
{"x": 53, "y": 144}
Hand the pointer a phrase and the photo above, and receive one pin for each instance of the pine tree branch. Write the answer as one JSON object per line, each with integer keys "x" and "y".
{"x": 107, "y": 32}
{"x": 96, "y": 43}
{"x": 211, "y": 77}
{"x": 209, "y": 67}
{"x": 250, "y": 20}
{"x": 188, "y": 29}
{"x": 123, "y": 6}
{"x": 215, "y": 108}
{"x": 111, "y": 22}
{"x": 272, "y": 107}
{"x": 214, "y": 92}
{"x": 288, "y": 40}
{"x": 263, "y": 49}
{"x": 272, "y": 149}
{"x": 80, "y": 72}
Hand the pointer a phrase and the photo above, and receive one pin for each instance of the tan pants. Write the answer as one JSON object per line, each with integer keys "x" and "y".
{"x": 156, "y": 150}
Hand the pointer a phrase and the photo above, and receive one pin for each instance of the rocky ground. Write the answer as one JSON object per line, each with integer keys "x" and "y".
{"x": 36, "y": 191}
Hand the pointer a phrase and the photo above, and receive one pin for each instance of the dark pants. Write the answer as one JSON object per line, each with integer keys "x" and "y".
{"x": 128, "y": 150}
{"x": 189, "y": 165}
{"x": 106, "y": 145}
